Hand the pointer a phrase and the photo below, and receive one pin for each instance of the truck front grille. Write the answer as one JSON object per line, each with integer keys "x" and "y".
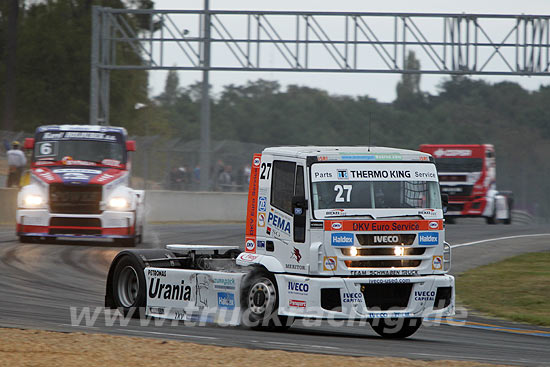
{"x": 75, "y": 199}
{"x": 385, "y": 239}
{"x": 383, "y": 297}
{"x": 60, "y": 225}
{"x": 382, "y": 263}
{"x": 412, "y": 251}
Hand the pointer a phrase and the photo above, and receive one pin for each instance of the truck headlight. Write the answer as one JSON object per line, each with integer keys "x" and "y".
{"x": 118, "y": 203}
{"x": 33, "y": 200}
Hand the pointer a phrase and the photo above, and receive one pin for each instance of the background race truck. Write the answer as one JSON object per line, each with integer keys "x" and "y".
{"x": 79, "y": 186}
{"x": 331, "y": 233}
{"x": 467, "y": 173}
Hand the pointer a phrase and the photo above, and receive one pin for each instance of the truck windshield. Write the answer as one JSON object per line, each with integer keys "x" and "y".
{"x": 459, "y": 164}
{"x": 103, "y": 148}
{"x": 350, "y": 188}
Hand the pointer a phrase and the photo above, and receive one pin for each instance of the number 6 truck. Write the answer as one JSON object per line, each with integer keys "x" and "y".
{"x": 79, "y": 186}
{"x": 331, "y": 233}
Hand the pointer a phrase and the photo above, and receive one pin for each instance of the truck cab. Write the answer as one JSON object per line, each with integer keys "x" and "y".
{"x": 330, "y": 233}
{"x": 79, "y": 186}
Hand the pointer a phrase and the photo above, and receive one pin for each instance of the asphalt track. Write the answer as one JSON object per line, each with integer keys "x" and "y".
{"x": 39, "y": 284}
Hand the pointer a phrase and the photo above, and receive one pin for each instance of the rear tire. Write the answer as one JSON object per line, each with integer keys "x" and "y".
{"x": 395, "y": 328}
{"x": 260, "y": 302}
{"x": 129, "y": 287}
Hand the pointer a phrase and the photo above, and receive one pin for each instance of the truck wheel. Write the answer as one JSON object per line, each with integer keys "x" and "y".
{"x": 260, "y": 301}
{"x": 396, "y": 328}
{"x": 129, "y": 287}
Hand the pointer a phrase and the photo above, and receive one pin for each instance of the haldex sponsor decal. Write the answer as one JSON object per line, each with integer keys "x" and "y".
{"x": 279, "y": 222}
{"x": 428, "y": 238}
{"x": 168, "y": 291}
{"x": 226, "y": 300}
{"x": 342, "y": 239}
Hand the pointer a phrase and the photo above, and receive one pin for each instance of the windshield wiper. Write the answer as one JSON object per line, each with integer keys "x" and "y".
{"x": 349, "y": 216}
{"x": 413, "y": 216}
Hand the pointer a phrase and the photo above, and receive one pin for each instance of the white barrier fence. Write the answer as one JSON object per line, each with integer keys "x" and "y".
{"x": 185, "y": 206}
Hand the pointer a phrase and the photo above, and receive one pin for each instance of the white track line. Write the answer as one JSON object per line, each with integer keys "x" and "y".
{"x": 498, "y": 239}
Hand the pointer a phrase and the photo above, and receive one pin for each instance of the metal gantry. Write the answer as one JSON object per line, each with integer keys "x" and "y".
{"x": 290, "y": 41}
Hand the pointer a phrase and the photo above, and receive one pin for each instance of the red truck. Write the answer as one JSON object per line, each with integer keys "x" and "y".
{"x": 467, "y": 173}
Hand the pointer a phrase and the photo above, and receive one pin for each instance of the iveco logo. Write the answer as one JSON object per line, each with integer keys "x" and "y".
{"x": 434, "y": 225}
{"x": 386, "y": 239}
{"x": 336, "y": 225}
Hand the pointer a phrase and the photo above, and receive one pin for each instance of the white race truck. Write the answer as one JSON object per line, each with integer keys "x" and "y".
{"x": 79, "y": 186}
{"x": 331, "y": 233}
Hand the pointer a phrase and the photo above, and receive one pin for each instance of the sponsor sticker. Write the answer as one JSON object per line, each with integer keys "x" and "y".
{"x": 261, "y": 219}
{"x": 337, "y": 226}
{"x": 250, "y": 245}
{"x": 437, "y": 263}
{"x": 260, "y": 244}
{"x": 298, "y": 288}
{"x": 428, "y": 238}
{"x": 329, "y": 263}
{"x": 342, "y": 239}
{"x": 434, "y": 225}
{"x": 256, "y": 161}
{"x": 316, "y": 225}
{"x": 262, "y": 204}
{"x": 297, "y": 303}
{"x": 356, "y": 297}
{"x": 224, "y": 283}
{"x": 296, "y": 255}
{"x": 248, "y": 257}
{"x": 424, "y": 295}
{"x": 277, "y": 221}
{"x": 385, "y": 272}
{"x": 226, "y": 300}
{"x": 343, "y": 174}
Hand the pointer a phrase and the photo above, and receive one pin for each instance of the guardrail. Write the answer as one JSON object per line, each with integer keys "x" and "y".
{"x": 522, "y": 217}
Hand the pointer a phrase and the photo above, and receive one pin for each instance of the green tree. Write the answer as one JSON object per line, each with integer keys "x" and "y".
{"x": 408, "y": 89}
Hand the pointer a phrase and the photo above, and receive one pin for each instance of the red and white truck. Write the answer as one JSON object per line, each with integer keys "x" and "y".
{"x": 348, "y": 233}
{"x": 467, "y": 173}
{"x": 79, "y": 186}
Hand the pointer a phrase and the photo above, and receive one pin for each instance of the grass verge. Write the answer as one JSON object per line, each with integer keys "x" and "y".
{"x": 516, "y": 289}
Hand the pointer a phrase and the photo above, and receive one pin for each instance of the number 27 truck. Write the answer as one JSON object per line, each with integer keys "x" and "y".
{"x": 331, "y": 233}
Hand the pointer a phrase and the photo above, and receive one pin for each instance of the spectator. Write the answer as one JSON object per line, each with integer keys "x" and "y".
{"x": 16, "y": 164}
{"x": 225, "y": 179}
{"x": 197, "y": 177}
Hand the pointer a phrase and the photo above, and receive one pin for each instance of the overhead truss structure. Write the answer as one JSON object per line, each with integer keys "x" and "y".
{"x": 289, "y": 41}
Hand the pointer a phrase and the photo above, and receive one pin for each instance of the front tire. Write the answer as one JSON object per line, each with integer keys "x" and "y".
{"x": 396, "y": 328}
{"x": 129, "y": 287}
{"x": 127, "y": 242}
{"x": 260, "y": 302}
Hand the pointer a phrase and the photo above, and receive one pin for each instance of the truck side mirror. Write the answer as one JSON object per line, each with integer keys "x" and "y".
{"x": 29, "y": 143}
{"x": 131, "y": 145}
{"x": 445, "y": 202}
{"x": 299, "y": 207}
